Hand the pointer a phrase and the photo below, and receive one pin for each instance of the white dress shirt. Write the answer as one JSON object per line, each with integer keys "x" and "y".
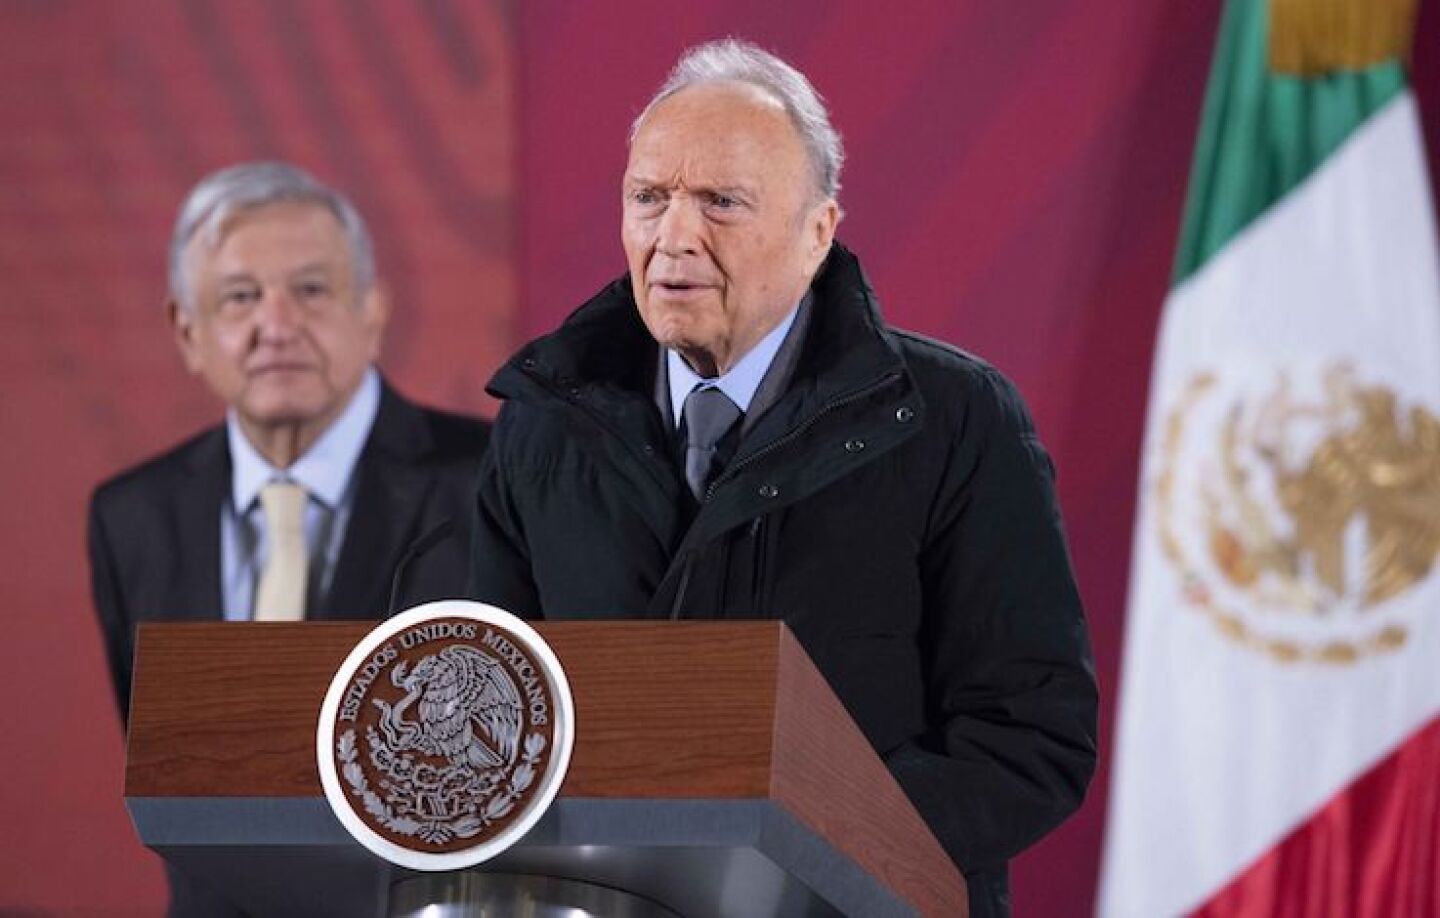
{"x": 740, "y": 383}
{"x": 326, "y": 471}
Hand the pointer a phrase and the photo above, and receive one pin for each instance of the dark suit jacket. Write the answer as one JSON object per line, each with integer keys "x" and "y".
{"x": 155, "y": 529}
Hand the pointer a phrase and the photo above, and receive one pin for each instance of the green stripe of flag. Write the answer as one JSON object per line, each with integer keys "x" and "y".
{"x": 1262, "y": 133}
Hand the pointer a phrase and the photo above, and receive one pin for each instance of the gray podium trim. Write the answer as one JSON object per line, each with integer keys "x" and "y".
{"x": 175, "y": 825}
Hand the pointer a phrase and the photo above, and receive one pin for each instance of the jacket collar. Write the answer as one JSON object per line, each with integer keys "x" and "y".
{"x": 400, "y": 431}
{"x": 604, "y": 343}
{"x": 847, "y": 347}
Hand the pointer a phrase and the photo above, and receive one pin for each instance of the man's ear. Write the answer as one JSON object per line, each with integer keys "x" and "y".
{"x": 820, "y": 230}
{"x": 182, "y": 326}
{"x": 374, "y": 315}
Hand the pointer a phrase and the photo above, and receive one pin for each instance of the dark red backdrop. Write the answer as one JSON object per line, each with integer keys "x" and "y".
{"x": 1015, "y": 182}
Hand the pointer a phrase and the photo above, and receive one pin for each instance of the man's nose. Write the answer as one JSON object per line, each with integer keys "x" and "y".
{"x": 678, "y": 232}
{"x": 278, "y": 314}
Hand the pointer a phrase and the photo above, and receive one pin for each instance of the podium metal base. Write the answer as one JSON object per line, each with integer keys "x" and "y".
{"x": 476, "y": 894}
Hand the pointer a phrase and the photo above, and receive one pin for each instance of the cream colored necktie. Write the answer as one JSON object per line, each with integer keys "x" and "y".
{"x": 281, "y": 594}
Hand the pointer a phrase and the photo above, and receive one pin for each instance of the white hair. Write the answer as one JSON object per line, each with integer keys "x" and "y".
{"x": 732, "y": 60}
{"x": 221, "y": 195}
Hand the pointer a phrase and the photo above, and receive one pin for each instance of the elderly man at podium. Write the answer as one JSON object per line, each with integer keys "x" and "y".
{"x": 732, "y": 431}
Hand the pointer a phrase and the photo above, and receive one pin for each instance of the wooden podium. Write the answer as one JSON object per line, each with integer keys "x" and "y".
{"x": 714, "y": 772}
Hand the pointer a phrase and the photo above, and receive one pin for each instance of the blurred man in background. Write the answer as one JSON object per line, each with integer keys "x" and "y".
{"x": 302, "y": 503}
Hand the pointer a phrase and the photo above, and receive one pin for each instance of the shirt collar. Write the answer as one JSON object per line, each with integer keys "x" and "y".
{"x": 740, "y": 383}
{"x": 327, "y": 465}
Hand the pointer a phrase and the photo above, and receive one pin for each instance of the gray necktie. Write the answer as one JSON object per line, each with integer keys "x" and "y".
{"x": 280, "y": 595}
{"x": 708, "y": 414}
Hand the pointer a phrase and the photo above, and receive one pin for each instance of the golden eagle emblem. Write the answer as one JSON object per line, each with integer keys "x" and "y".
{"x": 1324, "y": 507}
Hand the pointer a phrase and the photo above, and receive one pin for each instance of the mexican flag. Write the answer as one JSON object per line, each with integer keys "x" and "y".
{"x": 1278, "y": 744}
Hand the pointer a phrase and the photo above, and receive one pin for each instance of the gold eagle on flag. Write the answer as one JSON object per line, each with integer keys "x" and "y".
{"x": 1369, "y": 465}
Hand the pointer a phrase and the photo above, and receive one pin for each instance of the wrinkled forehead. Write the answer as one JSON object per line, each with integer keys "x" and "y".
{"x": 727, "y": 128}
{"x": 718, "y": 98}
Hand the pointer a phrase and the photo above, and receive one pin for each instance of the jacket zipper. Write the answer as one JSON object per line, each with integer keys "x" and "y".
{"x": 759, "y": 533}
{"x": 683, "y": 587}
{"x": 760, "y": 538}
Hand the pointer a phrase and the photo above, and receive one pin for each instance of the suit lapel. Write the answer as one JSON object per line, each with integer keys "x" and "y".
{"x": 195, "y": 593}
{"x": 390, "y": 493}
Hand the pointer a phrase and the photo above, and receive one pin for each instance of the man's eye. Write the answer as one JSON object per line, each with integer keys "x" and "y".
{"x": 312, "y": 290}
{"x": 645, "y": 197}
{"x": 239, "y": 296}
{"x": 717, "y": 202}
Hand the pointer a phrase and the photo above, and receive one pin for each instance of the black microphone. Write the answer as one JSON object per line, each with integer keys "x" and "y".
{"x": 441, "y": 531}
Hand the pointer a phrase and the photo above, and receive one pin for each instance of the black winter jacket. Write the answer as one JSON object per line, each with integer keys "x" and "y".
{"x": 893, "y": 506}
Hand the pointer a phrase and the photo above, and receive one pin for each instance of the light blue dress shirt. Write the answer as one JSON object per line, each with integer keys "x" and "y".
{"x": 740, "y": 383}
{"x": 326, "y": 471}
